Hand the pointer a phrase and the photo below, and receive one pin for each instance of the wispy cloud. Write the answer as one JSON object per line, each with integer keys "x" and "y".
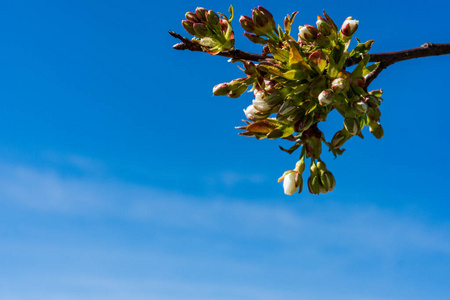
{"x": 166, "y": 245}
{"x": 232, "y": 178}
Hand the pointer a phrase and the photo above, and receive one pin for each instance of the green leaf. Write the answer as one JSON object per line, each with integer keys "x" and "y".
{"x": 278, "y": 53}
{"x": 271, "y": 69}
{"x": 335, "y": 152}
{"x": 280, "y": 32}
{"x": 358, "y": 71}
{"x": 296, "y": 60}
{"x": 288, "y": 22}
{"x": 231, "y": 10}
{"x": 361, "y": 48}
{"x": 293, "y": 148}
{"x": 370, "y": 68}
{"x": 294, "y": 75}
{"x": 275, "y": 134}
{"x": 357, "y": 90}
{"x": 332, "y": 68}
{"x": 300, "y": 88}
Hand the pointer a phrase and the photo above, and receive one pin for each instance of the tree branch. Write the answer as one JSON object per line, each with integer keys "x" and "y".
{"x": 388, "y": 58}
{"x": 187, "y": 44}
{"x": 385, "y": 59}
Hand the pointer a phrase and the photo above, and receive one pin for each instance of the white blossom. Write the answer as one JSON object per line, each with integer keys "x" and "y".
{"x": 289, "y": 183}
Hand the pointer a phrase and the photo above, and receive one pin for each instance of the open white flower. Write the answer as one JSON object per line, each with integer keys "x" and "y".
{"x": 259, "y": 103}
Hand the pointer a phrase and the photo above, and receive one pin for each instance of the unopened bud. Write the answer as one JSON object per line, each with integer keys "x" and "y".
{"x": 201, "y": 30}
{"x": 349, "y": 27}
{"x": 201, "y": 13}
{"x": 351, "y": 125}
{"x": 372, "y": 101}
{"x": 296, "y": 115}
{"x": 188, "y": 26}
{"x": 269, "y": 17}
{"x": 324, "y": 182}
{"x": 221, "y": 89}
{"x": 313, "y": 184}
{"x": 300, "y": 166}
{"x": 259, "y": 19}
{"x": 212, "y": 18}
{"x": 321, "y": 166}
{"x": 287, "y": 107}
{"x": 304, "y": 123}
{"x": 326, "y": 97}
{"x": 360, "y": 107}
{"x": 191, "y": 16}
{"x": 250, "y": 68}
{"x": 235, "y": 93}
{"x": 324, "y": 26}
{"x": 255, "y": 38}
{"x": 338, "y": 139}
{"x": 236, "y": 83}
{"x": 327, "y": 180}
{"x": 274, "y": 99}
{"x": 339, "y": 85}
{"x": 247, "y": 23}
{"x": 308, "y": 33}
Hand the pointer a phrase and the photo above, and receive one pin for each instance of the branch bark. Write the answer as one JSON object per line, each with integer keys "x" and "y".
{"x": 187, "y": 44}
{"x": 385, "y": 59}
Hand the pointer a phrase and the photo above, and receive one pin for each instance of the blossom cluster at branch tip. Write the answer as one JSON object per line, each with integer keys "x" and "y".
{"x": 213, "y": 33}
{"x": 297, "y": 85}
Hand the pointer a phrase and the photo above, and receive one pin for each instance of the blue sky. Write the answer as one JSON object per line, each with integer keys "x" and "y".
{"x": 122, "y": 176}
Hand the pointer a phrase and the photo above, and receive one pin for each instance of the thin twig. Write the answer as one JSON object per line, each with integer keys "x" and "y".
{"x": 388, "y": 58}
{"x": 187, "y": 44}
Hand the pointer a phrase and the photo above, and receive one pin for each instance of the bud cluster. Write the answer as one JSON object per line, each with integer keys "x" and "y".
{"x": 260, "y": 24}
{"x": 321, "y": 180}
{"x": 215, "y": 34}
{"x": 298, "y": 83}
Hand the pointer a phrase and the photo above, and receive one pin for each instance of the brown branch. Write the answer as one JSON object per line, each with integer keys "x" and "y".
{"x": 187, "y": 44}
{"x": 389, "y": 58}
{"x": 385, "y": 59}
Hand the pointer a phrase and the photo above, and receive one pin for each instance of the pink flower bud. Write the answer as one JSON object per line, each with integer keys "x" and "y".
{"x": 221, "y": 89}
{"x": 201, "y": 13}
{"x": 188, "y": 26}
{"x": 349, "y": 27}
{"x": 201, "y": 30}
{"x": 326, "y": 97}
{"x": 191, "y": 16}
{"x": 255, "y": 38}
{"x": 212, "y": 18}
{"x": 324, "y": 26}
{"x": 338, "y": 85}
{"x": 247, "y": 23}
{"x": 308, "y": 33}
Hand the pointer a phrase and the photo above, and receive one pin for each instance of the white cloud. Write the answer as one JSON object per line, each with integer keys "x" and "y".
{"x": 202, "y": 248}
